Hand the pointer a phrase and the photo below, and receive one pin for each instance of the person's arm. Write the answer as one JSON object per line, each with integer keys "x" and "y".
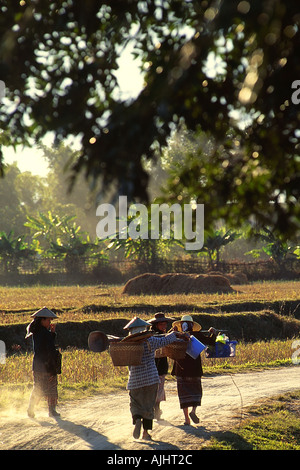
{"x": 207, "y": 339}
{"x": 161, "y": 341}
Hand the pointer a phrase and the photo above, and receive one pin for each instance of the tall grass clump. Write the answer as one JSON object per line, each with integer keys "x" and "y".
{"x": 85, "y": 368}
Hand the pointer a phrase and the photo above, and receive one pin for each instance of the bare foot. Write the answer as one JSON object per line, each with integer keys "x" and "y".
{"x": 147, "y": 436}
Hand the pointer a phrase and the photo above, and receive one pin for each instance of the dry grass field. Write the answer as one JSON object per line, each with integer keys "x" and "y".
{"x": 248, "y": 308}
{"x": 76, "y": 303}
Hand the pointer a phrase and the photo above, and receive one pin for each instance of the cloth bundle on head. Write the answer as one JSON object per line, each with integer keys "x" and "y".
{"x": 180, "y": 324}
{"x": 137, "y": 325}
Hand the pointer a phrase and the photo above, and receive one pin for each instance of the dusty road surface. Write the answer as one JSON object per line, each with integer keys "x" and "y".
{"x": 104, "y": 422}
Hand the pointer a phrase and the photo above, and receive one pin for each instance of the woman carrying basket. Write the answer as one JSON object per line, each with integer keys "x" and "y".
{"x": 188, "y": 371}
{"x": 159, "y": 326}
{"x": 143, "y": 379}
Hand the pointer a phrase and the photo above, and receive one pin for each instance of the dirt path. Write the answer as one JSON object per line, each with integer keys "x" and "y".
{"x": 104, "y": 423}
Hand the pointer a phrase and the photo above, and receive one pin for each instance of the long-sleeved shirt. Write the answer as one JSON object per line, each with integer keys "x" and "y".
{"x": 44, "y": 351}
{"x": 189, "y": 367}
{"x": 146, "y": 373}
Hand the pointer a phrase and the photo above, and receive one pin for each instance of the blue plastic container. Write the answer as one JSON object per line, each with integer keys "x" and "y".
{"x": 226, "y": 349}
{"x": 195, "y": 347}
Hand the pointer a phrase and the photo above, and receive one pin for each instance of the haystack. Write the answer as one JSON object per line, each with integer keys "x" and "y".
{"x": 234, "y": 278}
{"x": 176, "y": 283}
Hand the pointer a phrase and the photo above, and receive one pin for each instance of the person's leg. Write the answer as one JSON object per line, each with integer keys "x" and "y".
{"x": 161, "y": 396}
{"x": 142, "y": 402}
{"x": 33, "y": 401}
{"x": 147, "y": 426}
{"x": 190, "y": 395}
{"x": 35, "y": 395}
{"x": 137, "y": 421}
{"x": 157, "y": 411}
{"x": 186, "y": 416}
{"x": 193, "y": 415}
{"x": 52, "y": 409}
{"x": 52, "y": 395}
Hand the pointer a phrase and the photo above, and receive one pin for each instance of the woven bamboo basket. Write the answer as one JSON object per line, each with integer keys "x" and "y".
{"x": 126, "y": 353}
{"x": 174, "y": 350}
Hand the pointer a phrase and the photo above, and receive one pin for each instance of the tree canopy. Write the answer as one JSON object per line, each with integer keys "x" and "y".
{"x": 59, "y": 60}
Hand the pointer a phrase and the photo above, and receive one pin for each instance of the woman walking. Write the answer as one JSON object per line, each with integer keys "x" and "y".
{"x": 159, "y": 326}
{"x": 188, "y": 371}
{"x": 44, "y": 361}
{"x": 143, "y": 379}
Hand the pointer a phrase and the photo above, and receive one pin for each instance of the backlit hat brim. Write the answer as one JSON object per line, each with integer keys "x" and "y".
{"x": 44, "y": 313}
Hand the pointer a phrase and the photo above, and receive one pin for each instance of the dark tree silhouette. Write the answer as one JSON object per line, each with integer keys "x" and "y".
{"x": 58, "y": 60}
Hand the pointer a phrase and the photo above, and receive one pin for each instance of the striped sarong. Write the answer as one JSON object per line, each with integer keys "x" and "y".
{"x": 189, "y": 391}
{"x": 45, "y": 385}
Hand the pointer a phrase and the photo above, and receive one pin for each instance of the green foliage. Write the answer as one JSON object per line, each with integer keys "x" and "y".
{"x": 59, "y": 63}
{"x": 72, "y": 244}
{"x": 214, "y": 242}
{"x": 12, "y": 249}
{"x": 46, "y": 226}
{"x": 142, "y": 247}
{"x": 79, "y": 201}
{"x": 12, "y": 216}
{"x": 61, "y": 237}
{"x": 275, "y": 247}
{"x": 24, "y": 194}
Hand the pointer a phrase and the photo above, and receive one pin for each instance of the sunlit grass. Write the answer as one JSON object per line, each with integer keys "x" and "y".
{"x": 77, "y": 303}
{"x": 250, "y": 356}
{"x": 85, "y": 373}
{"x": 274, "y": 425}
{"x": 79, "y": 366}
{"x": 71, "y": 297}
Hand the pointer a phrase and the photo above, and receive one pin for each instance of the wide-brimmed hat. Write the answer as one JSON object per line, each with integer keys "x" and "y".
{"x": 187, "y": 318}
{"x": 160, "y": 317}
{"x": 44, "y": 313}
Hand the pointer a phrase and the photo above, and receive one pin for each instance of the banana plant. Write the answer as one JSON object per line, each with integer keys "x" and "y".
{"x": 275, "y": 248}
{"x": 12, "y": 249}
{"x": 47, "y": 226}
{"x": 141, "y": 247}
{"x": 214, "y": 242}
